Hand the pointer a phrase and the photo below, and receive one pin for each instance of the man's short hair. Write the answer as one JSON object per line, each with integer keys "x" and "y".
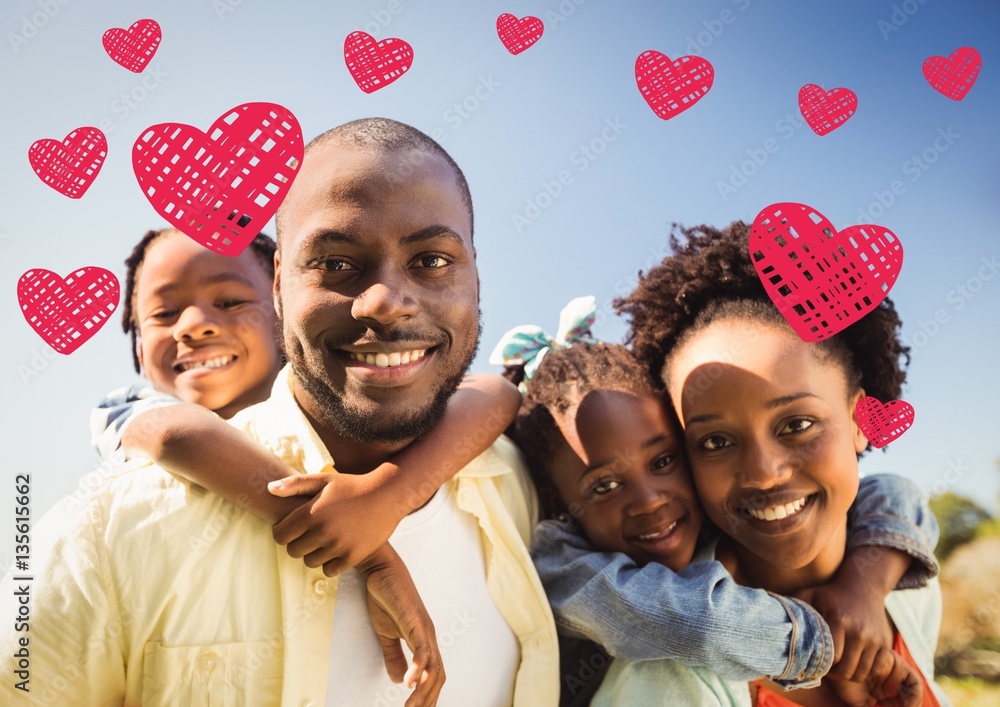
{"x": 385, "y": 135}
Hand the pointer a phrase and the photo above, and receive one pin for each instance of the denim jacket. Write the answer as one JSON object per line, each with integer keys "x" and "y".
{"x": 700, "y": 616}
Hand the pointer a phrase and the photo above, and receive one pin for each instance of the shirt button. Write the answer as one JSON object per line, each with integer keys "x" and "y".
{"x": 208, "y": 661}
{"x": 320, "y": 586}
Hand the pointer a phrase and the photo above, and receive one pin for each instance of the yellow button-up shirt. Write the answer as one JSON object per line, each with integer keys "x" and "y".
{"x": 149, "y": 590}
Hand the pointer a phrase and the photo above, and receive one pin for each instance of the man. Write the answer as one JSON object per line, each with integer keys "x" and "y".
{"x": 157, "y": 592}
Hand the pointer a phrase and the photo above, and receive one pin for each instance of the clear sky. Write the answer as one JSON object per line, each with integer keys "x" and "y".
{"x": 568, "y": 106}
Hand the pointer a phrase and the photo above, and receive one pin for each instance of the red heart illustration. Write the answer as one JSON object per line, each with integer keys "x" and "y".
{"x": 822, "y": 281}
{"x": 825, "y": 111}
{"x": 954, "y": 76}
{"x": 671, "y": 87}
{"x": 135, "y": 46}
{"x": 880, "y": 423}
{"x": 70, "y": 166}
{"x": 375, "y": 65}
{"x": 519, "y": 34}
{"x": 65, "y": 313}
{"x": 220, "y": 188}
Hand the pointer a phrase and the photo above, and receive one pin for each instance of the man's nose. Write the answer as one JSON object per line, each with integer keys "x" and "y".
{"x": 386, "y": 299}
{"x": 195, "y": 323}
{"x": 765, "y": 465}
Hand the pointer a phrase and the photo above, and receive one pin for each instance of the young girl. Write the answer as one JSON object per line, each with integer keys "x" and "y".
{"x": 773, "y": 445}
{"x": 203, "y": 332}
{"x": 602, "y": 446}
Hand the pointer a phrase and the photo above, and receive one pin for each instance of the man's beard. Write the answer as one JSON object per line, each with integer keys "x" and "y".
{"x": 368, "y": 425}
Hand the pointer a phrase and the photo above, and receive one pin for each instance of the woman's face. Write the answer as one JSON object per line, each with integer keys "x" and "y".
{"x": 623, "y": 467}
{"x": 772, "y": 441}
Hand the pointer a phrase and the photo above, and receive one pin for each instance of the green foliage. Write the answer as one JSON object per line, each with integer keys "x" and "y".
{"x": 959, "y": 518}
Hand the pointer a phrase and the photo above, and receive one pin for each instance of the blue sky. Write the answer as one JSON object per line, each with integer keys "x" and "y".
{"x": 567, "y": 108}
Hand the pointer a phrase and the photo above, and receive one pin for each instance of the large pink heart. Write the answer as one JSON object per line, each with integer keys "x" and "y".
{"x": 221, "y": 188}
{"x": 825, "y": 111}
{"x": 880, "y": 423}
{"x": 133, "y": 47}
{"x": 954, "y": 76}
{"x": 519, "y": 34}
{"x": 671, "y": 87}
{"x": 373, "y": 64}
{"x": 65, "y": 313}
{"x": 822, "y": 281}
{"x": 70, "y": 166}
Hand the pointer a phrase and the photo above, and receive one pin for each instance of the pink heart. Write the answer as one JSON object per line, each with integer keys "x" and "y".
{"x": 880, "y": 423}
{"x": 519, "y": 34}
{"x": 671, "y": 87}
{"x": 822, "y": 281}
{"x": 133, "y": 47}
{"x": 825, "y": 111}
{"x": 954, "y": 76}
{"x": 70, "y": 166}
{"x": 375, "y": 65}
{"x": 222, "y": 187}
{"x": 65, "y": 313}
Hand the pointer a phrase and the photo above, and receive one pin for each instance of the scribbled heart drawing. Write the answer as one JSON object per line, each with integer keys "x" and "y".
{"x": 222, "y": 187}
{"x": 373, "y": 64}
{"x": 519, "y": 34}
{"x": 822, "y": 280}
{"x": 825, "y": 111}
{"x": 135, "y": 46}
{"x": 67, "y": 312}
{"x": 671, "y": 87}
{"x": 880, "y": 423}
{"x": 70, "y": 166}
{"x": 954, "y": 76}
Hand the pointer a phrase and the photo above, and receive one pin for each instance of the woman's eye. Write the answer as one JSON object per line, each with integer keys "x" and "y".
{"x": 714, "y": 443}
{"x": 432, "y": 261}
{"x": 799, "y": 425}
{"x": 604, "y": 487}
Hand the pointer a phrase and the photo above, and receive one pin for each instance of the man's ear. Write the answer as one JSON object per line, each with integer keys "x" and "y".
{"x": 860, "y": 441}
{"x": 276, "y": 291}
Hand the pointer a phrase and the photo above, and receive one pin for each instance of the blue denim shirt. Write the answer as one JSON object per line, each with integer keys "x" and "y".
{"x": 700, "y": 616}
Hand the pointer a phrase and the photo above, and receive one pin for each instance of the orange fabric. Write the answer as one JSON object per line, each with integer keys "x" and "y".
{"x": 769, "y": 698}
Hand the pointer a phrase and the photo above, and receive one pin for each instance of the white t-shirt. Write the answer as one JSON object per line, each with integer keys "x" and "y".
{"x": 441, "y": 547}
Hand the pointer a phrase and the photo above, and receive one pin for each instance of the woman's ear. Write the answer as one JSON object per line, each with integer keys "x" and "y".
{"x": 860, "y": 441}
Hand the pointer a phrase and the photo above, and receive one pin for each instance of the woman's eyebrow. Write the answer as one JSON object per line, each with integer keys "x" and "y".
{"x": 769, "y": 405}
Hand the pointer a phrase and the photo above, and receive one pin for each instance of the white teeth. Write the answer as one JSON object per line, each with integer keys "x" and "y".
{"x": 217, "y": 362}
{"x": 396, "y": 358}
{"x": 777, "y": 512}
{"x": 661, "y": 534}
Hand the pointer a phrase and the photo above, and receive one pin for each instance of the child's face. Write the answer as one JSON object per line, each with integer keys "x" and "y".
{"x": 624, "y": 466}
{"x": 206, "y": 324}
{"x": 771, "y": 438}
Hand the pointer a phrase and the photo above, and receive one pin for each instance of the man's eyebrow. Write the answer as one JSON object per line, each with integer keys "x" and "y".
{"x": 426, "y": 234}
{"x": 341, "y": 238}
{"x": 652, "y": 441}
{"x": 215, "y": 279}
{"x": 769, "y": 405}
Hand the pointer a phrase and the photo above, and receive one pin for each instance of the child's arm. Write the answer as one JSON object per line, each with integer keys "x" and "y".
{"x": 338, "y": 526}
{"x": 699, "y": 616}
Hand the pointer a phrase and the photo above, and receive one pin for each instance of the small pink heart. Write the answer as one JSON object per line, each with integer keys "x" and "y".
{"x": 671, "y": 87}
{"x": 880, "y": 423}
{"x": 519, "y": 34}
{"x": 133, "y": 47}
{"x": 65, "y": 313}
{"x": 220, "y": 188}
{"x": 375, "y": 65}
{"x": 954, "y": 76}
{"x": 70, "y": 166}
{"x": 825, "y": 111}
{"x": 821, "y": 280}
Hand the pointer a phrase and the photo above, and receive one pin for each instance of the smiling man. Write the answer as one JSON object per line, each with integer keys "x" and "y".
{"x": 156, "y": 592}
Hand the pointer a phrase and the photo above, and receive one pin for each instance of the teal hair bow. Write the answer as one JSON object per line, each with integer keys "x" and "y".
{"x": 526, "y": 345}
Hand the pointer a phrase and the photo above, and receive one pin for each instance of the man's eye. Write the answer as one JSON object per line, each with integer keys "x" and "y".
{"x": 333, "y": 265}
{"x": 799, "y": 425}
{"x": 714, "y": 443}
{"x": 164, "y": 314}
{"x": 433, "y": 261}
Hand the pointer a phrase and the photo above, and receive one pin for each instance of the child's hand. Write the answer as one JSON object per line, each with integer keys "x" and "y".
{"x": 397, "y": 612}
{"x": 348, "y": 518}
{"x": 891, "y": 683}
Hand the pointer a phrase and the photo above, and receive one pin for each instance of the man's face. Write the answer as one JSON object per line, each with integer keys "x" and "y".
{"x": 377, "y": 290}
